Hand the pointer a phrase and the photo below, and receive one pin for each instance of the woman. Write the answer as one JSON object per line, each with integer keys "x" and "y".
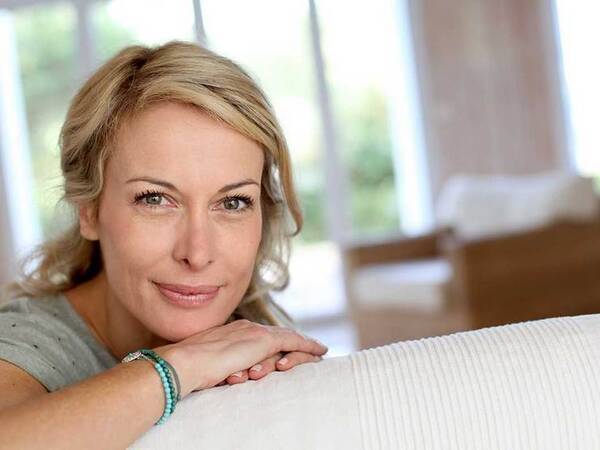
{"x": 181, "y": 182}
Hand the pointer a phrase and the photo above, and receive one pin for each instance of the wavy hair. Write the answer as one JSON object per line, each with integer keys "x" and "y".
{"x": 134, "y": 78}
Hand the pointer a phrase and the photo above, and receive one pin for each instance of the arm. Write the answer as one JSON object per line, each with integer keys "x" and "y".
{"x": 127, "y": 400}
{"x": 114, "y": 408}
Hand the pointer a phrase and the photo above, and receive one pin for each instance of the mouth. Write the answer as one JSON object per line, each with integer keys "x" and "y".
{"x": 189, "y": 290}
{"x": 188, "y": 296}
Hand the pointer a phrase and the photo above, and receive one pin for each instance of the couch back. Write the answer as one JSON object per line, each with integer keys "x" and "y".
{"x": 525, "y": 386}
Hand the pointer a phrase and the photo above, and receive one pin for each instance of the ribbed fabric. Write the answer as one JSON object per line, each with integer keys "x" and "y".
{"x": 527, "y": 386}
{"x": 533, "y": 385}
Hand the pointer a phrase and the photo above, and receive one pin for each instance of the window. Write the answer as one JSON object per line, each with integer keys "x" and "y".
{"x": 118, "y": 23}
{"x": 46, "y": 49}
{"x": 358, "y": 61}
{"x": 578, "y": 30}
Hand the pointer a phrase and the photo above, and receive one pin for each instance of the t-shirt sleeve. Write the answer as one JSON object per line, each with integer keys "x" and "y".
{"x": 27, "y": 343}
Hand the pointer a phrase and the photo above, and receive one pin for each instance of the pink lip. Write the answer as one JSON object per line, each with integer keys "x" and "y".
{"x": 200, "y": 296}
{"x": 189, "y": 290}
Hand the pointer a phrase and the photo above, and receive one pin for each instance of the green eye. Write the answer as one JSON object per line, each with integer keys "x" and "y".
{"x": 232, "y": 203}
{"x": 153, "y": 199}
{"x": 237, "y": 203}
{"x": 149, "y": 198}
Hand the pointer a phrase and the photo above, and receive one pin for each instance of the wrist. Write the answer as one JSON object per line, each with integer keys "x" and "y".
{"x": 168, "y": 377}
{"x": 177, "y": 357}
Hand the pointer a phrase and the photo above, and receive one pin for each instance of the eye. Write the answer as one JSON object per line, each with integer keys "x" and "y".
{"x": 237, "y": 203}
{"x": 149, "y": 198}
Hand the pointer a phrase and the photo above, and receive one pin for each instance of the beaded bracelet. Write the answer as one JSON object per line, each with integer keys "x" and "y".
{"x": 167, "y": 374}
{"x": 165, "y": 364}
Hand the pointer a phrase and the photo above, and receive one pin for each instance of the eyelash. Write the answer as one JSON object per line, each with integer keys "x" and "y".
{"x": 244, "y": 198}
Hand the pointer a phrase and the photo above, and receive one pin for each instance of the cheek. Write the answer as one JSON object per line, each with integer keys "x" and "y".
{"x": 130, "y": 245}
{"x": 240, "y": 247}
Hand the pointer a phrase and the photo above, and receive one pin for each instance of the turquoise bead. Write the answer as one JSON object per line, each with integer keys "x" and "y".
{"x": 167, "y": 378}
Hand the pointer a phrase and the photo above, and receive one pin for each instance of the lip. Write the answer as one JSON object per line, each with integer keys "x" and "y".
{"x": 188, "y": 296}
{"x": 189, "y": 290}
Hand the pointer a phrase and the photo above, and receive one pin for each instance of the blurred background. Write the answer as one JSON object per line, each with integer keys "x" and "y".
{"x": 446, "y": 153}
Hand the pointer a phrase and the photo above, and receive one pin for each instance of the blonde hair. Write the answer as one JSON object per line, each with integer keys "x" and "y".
{"x": 125, "y": 85}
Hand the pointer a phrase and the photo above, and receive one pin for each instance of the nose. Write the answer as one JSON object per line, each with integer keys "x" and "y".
{"x": 195, "y": 243}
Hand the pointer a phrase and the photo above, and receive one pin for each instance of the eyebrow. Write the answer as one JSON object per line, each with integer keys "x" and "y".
{"x": 227, "y": 187}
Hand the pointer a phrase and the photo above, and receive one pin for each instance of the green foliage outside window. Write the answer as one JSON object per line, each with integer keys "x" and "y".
{"x": 366, "y": 144}
{"x": 46, "y": 52}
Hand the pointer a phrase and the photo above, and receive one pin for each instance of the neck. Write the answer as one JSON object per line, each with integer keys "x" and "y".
{"x": 108, "y": 320}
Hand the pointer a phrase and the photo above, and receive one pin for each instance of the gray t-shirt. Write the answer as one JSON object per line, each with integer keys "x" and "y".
{"x": 47, "y": 338}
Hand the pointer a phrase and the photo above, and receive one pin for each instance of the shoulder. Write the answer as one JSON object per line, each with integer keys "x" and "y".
{"x": 31, "y": 317}
{"x": 41, "y": 336}
{"x": 25, "y": 317}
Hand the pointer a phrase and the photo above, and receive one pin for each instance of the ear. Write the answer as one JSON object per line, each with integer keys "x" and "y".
{"x": 88, "y": 221}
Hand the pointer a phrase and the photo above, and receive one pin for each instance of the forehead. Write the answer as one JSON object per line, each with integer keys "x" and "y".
{"x": 172, "y": 140}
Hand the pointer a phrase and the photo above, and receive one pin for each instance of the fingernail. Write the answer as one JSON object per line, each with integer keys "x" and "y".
{"x": 256, "y": 368}
{"x": 283, "y": 361}
{"x": 237, "y": 374}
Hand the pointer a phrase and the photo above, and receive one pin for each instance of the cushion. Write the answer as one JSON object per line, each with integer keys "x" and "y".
{"x": 419, "y": 285}
{"x": 479, "y": 205}
{"x": 527, "y": 386}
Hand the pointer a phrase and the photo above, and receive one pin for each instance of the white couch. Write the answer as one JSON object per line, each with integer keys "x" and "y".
{"x": 527, "y": 386}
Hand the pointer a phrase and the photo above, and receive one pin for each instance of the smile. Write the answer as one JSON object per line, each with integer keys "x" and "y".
{"x": 186, "y": 296}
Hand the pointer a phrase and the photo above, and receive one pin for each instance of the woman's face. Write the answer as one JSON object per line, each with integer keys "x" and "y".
{"x": 180, "y": 211}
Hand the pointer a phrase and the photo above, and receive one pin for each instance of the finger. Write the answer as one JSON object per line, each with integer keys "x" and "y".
{"x": 280, "y": 339}
{"x": 293, "y": 359}
{"x": 238, "y": 377}
{"x": 288, "y": 340}
{"x": 264, "y": 367}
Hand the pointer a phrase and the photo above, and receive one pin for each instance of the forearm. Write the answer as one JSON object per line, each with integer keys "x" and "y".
{"x": 109, "y": 410}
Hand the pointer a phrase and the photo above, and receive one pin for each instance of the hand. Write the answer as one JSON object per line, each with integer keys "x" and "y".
{"x": 211, "y": 356}
{"x": 269, "y": 365}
